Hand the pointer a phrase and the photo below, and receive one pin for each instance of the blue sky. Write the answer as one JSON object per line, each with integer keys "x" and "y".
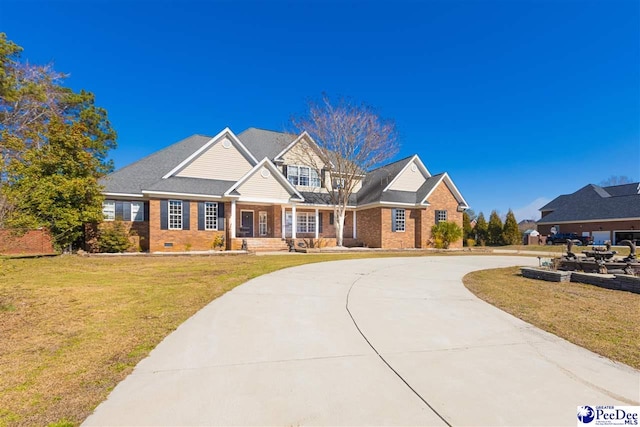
{"x": 518, "y": 100}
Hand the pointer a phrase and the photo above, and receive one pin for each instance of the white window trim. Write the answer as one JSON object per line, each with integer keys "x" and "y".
{"x": 213, "y": 216}
{"x": 308, "y": 220}
{"x": 111, "y": 204}
{"x": 262, "y": 225}
{"x": 312, "y": 176}
{"x": 402, "y": 220}
{"x": 169, "y": 214}
{"x": 140, "y": 210}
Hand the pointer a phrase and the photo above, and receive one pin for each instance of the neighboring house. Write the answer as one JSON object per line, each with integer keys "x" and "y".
{"x": 257, "y": 187}
{"x": 605, "y": 213}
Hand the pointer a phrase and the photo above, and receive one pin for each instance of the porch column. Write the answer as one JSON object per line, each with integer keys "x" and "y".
{"x": 232, "y": 220}
{"x": 317, "y": 225}
{"x": 283, "y": 225}
{"x": 294, "y": 221}
{"x": 354, "y": 225}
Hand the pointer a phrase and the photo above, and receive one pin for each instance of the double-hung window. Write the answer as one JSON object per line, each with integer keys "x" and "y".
{"x": 399, "y": 220}
{"x": 137, "y": 211}
{"x": 306, "y": 222}
{"x": 303, "y": 176}
{"x": 175, "y": 214}
{"x": 211, "y": 215}
{"x": 441, "y": 216}
{"x": 109, "y": 210}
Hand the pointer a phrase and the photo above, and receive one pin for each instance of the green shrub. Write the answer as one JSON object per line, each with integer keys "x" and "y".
{"x": 114, "y": 238}
{"x": 444, "y": 233}
{"x": 470, "y": 242}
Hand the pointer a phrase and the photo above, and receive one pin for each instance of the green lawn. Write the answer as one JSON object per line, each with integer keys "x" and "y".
{"x": 73, "y": 327}
{"x": 604, "y": 321}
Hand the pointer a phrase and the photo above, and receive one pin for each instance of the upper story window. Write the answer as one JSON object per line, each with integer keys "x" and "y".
{"x": 441, "y": 216}
{"x": 175, "y": 214}
{"x": 303, "y": 176}
{"x": 211, "y": 215}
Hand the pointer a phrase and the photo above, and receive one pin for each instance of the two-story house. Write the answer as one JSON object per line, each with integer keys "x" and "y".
{"x": 264, "y": 187}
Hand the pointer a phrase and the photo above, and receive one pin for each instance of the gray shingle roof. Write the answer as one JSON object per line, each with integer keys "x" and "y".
{"x": 594, "y": 203}
{"x": 377, "y": 180}
{"x": 146, "y": 172}
{"x": 623, "y": 190}
{"x": 265, "y": 143}
{"x": 209, "y": 187}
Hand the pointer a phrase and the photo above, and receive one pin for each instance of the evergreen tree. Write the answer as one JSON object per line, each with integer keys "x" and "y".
{"x": 53, "y": 149}
{"x": 466, "y": 226}
{"x": 511, "y": 233}
{"x": 56, "y": 185}
{"x": 495, "y": 229}
{"x": 481, "y": 230}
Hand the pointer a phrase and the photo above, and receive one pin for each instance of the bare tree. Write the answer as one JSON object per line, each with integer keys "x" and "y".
{"x": 615, "y": 180}
{"x": 351, "y": 139}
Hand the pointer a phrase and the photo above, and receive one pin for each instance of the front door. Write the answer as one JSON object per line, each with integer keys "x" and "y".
{"x": 246, "y": 224}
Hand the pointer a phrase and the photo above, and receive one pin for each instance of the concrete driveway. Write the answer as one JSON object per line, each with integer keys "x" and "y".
{"x": 365, "y": 342}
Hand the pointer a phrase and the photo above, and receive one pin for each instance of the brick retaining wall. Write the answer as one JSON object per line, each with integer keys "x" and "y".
{"x": 33, "y": 242}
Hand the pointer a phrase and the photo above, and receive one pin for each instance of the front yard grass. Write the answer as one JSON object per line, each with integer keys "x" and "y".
{"x": 604, "y": 321}
{"x": 72, "y": 327}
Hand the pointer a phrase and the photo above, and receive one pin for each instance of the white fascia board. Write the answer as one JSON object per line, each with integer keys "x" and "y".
{"x": 172, "y": 194}
{"x": 123, "y": 195}
{"x": 421, "y": 166}
{"x": 274, "y": 171}
{"x": 267, "y": 201}
{"x": 279, "y": 159}
{"x": 579, "y": 221}
{"x": 226, "y": 131}
{"x": 317, "y": 205}
{"x": 456, "y": 193}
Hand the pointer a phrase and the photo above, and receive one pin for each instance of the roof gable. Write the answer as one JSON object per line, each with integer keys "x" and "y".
{"x": 430, "y": 187}
{"x": 412, "y": 176}
{"x": 201, "y": 163}
{"x": 144, "y": 173}
{"x": 264, "y": 183}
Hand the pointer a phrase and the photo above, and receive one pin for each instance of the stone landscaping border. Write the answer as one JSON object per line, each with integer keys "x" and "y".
{"x": 617, "y": 282}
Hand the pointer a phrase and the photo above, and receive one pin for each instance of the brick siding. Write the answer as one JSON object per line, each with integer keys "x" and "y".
{"x": 375, "y": 225}
{"x": 182, "y": 240}
{"x": 33, "y": 242}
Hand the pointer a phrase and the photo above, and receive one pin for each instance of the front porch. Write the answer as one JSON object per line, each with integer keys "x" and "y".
{"x": 280, "y": 222}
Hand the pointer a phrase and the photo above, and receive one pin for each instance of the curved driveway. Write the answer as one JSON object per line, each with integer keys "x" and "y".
{"x": 395, "y": 341}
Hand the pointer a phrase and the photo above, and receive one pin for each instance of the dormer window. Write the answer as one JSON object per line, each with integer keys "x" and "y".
{"x": 303, "y": 176}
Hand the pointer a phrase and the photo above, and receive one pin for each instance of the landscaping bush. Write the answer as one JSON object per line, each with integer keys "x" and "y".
{"x": 444, "y": 233}
{"x": 114, "y": 238}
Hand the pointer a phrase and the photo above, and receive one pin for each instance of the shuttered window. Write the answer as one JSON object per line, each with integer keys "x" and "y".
{"x": 398, "y": 220}
{"x": 175, "y": 214}
{"x": 210, "y": 215}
